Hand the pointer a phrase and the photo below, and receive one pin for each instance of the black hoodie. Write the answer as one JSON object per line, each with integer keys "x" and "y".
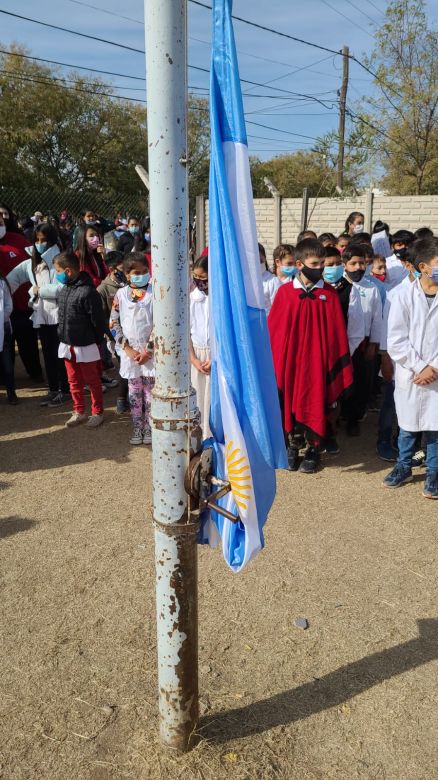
{"x": 81, "y": 317}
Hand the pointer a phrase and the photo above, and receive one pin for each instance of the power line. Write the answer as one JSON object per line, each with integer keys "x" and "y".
{"x": 269, "y": 29}
{"x": 68, "y": 65}
{"x": 336, "y": 11}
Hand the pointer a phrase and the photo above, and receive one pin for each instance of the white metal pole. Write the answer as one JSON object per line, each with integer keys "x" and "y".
{"x": 174, "y": 416}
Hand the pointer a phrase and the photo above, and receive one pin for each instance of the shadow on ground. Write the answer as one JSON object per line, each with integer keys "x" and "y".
{"x": 14, "y": 525}
{"x": 323, "y": 693}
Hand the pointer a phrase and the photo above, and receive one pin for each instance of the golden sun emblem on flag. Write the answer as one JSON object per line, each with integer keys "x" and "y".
{"x": 239, "y": 475}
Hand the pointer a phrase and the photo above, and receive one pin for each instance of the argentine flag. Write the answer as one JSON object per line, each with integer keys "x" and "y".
{"x": 245, "y": 415}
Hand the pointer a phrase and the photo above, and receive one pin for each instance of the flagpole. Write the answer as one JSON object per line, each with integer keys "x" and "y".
{"x": 174, "y": 416}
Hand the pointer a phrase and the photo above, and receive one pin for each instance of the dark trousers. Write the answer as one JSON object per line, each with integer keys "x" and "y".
{"x": 355, "y": 405}
{"x": 7, "y": 361}
{"x": 55, "y": 368}
{"x": 27, "y": 342}
{"x": 387, "y": 414}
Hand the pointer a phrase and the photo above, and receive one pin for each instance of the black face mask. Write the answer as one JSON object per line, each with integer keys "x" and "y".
{"x": 202, "y": 285}
{"x": 401, "y": 253}
{"x": 312, "y": 274}
{"x": 356, "y": 276}
{"x": 120, "y": 277}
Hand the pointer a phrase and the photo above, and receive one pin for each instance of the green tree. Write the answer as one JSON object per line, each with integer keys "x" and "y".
{"x": 290, "y": 173}
{"x": 402, "y": 116}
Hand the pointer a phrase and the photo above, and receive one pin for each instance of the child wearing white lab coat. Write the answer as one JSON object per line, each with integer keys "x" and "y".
{"x": 413, "y": 346}
{"x": 6, "y": 359}
{"x": 270, "y": 282}
{"x": 354, "y": 407}
{"x": 200, "y": 354}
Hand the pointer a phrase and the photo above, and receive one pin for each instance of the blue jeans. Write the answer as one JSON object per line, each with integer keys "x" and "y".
{"x": 406, "y": 449}
{"x": 387, "y": 414}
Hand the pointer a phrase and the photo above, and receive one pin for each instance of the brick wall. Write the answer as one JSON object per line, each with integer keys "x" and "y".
{"x": 329, "y": 214}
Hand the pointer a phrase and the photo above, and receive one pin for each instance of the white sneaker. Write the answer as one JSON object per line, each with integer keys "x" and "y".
{"x": 137, "y": 436}
{"x": 147, "y": 436}
{"x": 76, "y": 419}
{"x": 94, "y": 421}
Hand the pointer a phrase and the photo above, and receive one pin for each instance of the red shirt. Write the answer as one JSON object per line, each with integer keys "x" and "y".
{"x": 12, "y": 253}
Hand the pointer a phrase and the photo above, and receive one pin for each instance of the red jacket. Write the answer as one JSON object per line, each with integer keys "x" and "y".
{"x": 12, "y": 253}
{"x": 94, "y": 266}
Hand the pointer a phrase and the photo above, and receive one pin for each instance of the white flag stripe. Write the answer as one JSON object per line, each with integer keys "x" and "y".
{"x": 240, "y": 192}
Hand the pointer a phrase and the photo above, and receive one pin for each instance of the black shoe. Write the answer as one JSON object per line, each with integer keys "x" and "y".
{"x": 13, "y": 398}
{"x": 293, "y": 458}
{"x": 353, "y": 428}
{"x": 310, "y": 462}
{"x": 331, "y": 446}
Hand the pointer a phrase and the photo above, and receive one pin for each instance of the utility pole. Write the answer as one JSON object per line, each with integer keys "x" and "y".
{"x": 175, "y": 421}
{"x": 342, "y": 106}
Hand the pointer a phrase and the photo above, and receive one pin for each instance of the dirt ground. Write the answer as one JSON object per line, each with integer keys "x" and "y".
{"x": 354, "y": 696}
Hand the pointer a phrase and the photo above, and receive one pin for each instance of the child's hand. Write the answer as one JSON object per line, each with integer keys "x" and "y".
{"x": 132, "y": 353}
{"x": 101, "y": 250}
{"x": 143, "y": 357}
{"x": 207, "y": 366}
{"x": 35, "y": 289}
{"x": 199, "y": 365}
{"x": 426, "y": 376}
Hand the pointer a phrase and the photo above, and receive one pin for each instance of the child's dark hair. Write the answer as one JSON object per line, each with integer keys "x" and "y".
{"x": 402, "y": 237}
{"x": 113, "y": 259}
{"x": 360, "y": 238}
{"x": 332, "y": 251}
{"x": 354, "y": 250}
{"x": 11, "y": 221}
{"x": 350, "y": 219}
{"x": 379, "y": 226}
{"x": 423, "y": 232}
{"x": 134, "y": 216}
{"x": 262, "y": 250}
{"x": 283, "y": 250}
{"x": 309, "y": 247}
{"x": 424, "y": 250}
{"x": 201, "y": 263}
{"x": 305, "y": 234}
{"x": 50, "y": 234}
{"x": 68, "y": 260}
{"x": 326, "y": 237}
{"x": 131, "y": 260}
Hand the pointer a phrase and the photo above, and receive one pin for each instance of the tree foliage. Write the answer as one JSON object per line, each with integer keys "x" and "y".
{"x": 403, "y": 115}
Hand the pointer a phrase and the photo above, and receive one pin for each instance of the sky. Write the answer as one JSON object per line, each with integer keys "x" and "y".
{"x": 263, "y": 57}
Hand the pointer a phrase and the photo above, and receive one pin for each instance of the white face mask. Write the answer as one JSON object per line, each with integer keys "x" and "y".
{"x": 2, "y": 231}
{"x": 358, "y": 229}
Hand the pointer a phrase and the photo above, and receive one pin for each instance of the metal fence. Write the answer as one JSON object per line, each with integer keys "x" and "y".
{"x": 24, "y": 201}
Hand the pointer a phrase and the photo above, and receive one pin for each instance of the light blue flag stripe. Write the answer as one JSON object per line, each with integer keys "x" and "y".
{"x": 245, "y": 416}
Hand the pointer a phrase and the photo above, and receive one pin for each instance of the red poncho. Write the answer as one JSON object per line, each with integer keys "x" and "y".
{"x": 310, "y": 351}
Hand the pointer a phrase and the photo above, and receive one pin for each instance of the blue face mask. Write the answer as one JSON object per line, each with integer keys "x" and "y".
{"x": 147, "y": 236}
{"x": 289, "y": 270}
{"x": 416, "y": 274}
{"x": 41, "y": 248}
{"x": 333, "y": 273}
{"x": 140, "y": 280}
{"x": 91, "y": 222}
{"x": 434, "y": 275}
{"x": 62, "y": 277}
{"x": 134, "y": 229}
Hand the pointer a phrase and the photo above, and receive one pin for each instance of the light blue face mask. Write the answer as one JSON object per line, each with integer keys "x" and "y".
{"x": 134, "y": 229}
{"x": 416, "y": 274}
{"x": 289, "y": 270}
{"x": 62, "y": 277}
{"x": 41, "y": 248}
{"x": 333, "y": 273}
{"x": 434, "y": 275}
{"x": 140, "y": 280}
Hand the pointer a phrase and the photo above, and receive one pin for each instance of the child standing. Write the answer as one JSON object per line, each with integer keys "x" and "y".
{"x": 285, "y": 266}
{"x": 310, "y": 352}
{"x": 107, "y": 290}
{"x": 395, "y": 268}
{"x": 354, "y": 407}
{"x": 413, "y": 346}
{"x": 131, "y": 326}
{"x": 6, "y": 363}
{"x": 270, "y": 282}
{"x": 81, "y": 330}
{"x": 200, "y": 355}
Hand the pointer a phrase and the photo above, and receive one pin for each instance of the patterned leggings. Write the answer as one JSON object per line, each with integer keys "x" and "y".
{"x": 140, "y": 393}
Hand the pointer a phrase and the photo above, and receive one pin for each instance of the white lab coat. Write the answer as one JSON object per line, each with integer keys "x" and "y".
{"x": 271, "y": 284}
{"x": 355, "y": 322}
{"x": 412, "y": 345}
{"x": 395, "y": 271}
{"x": 371, "y": 303}
{"x": 391, "y": 299}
